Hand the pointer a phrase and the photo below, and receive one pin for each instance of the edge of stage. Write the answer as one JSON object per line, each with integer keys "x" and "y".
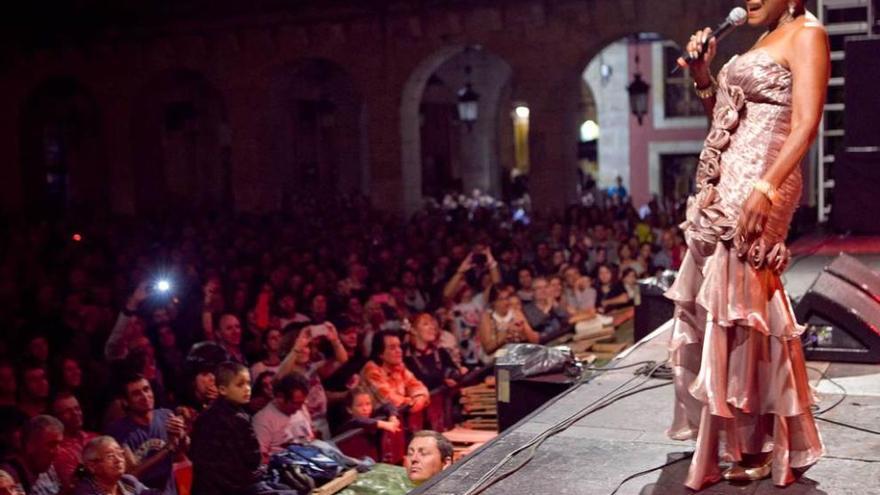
{"x": 598, "y": 452}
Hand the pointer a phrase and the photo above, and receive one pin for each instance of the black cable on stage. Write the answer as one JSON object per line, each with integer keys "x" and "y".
{"x": 847, "y": 425}
{"x": 839, "y": 386}
{"x": 489, "y": 479}
{"x": 839, "y": 401}
{"x": 687, "y": 455}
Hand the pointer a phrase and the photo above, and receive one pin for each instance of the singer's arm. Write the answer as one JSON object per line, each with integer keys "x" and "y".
{"x": 704, "y": 81}
{"x": 700, "y": 64}
{"x": 809, "y": 64}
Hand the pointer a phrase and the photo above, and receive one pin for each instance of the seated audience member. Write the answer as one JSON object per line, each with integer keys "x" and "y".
{"x": 272, "y": 353}
{"x": 300, "y": 360}
{"x": 229, "y": 336}
{"x": 150, "y": 437}
{"x": 543, "y": 314}
{"x": 8, "y": 385}
{"x": 202, "y": 388}
{"x": 627, "y": 260}
{"x": 225, "y": 452}
{"x": 610, "y": 293}
{"x": 579, "y": 295}
{"x": 8, "y": 485}
{"x": 12, "y": 423}
{"x": 262, "y": 393}
{"x": 428, "y": 454}
{"x": 362, "y": 414}
{"x": 32, "y": 467}
{"x": 287, "y": 313}
{"x": 285, "y": 419}
{"x": 646, "y": 257}
{"x": 502, "y": 324}
{"x": 104, "y": 471}
{"x": 340, "y": 378}
{"x": 34, "y": 398}
{"x": 630, "y": 283}
{"x": 387, "y": 378}
{"x": 66, "y": 408}
{"x": 429, "y": 362}
{"x": 128, "y": 325}
{"x": 381, "y": 436}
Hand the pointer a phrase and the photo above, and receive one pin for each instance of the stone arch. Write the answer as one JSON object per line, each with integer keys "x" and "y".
{"x": 62, "y": 154}
{"x": 623, "y": 145}
{"x": 181, "y": 143}
{"x": 314, "y": 124}
{"x": 491, "y": 77}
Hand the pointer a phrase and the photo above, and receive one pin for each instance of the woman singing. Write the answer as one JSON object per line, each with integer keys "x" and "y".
{"x": 740, "y": 380}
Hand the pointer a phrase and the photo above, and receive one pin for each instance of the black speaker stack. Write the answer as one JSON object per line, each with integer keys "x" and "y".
{"x": 856, "y": 170}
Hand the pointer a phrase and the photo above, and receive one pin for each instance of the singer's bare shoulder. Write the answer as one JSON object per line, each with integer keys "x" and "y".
{"x": 811, "y": 35}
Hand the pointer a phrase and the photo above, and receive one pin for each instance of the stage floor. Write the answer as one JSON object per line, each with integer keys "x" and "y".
{"x": 602, "y": 449}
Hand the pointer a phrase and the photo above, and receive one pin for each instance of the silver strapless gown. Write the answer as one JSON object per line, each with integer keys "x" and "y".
{"x": 740, "y": 381}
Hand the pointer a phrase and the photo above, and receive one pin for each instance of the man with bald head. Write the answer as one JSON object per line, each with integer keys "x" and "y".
{"x": 32, "y": 467}
{"x": 229, "y": 336}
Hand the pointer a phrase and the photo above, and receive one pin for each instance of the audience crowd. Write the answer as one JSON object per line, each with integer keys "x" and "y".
{"x": 133, "y": 349}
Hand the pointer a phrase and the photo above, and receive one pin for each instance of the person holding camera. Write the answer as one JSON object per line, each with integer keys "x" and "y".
{"x": 469, "y": 289}
{"x": 503, "y": 324}
{"x": 299, "y": 360}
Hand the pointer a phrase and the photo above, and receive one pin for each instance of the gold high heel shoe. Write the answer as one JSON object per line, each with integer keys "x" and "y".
{"x": 735, "y": 473}
{"x": 760, "y": 472}
{"x": 739, "y": 473}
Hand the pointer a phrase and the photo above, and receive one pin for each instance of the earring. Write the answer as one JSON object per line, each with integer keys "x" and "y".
{"x": 792, "y": 8}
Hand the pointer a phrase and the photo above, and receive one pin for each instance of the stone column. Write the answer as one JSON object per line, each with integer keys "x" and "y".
{"x": 552, "y": 135}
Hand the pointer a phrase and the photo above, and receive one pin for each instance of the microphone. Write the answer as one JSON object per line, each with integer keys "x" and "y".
{"x": 736, "y": 17}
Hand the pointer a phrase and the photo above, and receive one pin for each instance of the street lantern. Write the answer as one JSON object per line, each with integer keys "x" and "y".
{"x": 638, "y": 97}
{"x": 468, "y": 101}
{"x": 638, "y": 91}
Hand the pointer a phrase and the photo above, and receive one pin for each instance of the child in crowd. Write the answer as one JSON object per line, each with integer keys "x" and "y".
{"x": 225, "y": 452}
{"x": 363, "y": 415}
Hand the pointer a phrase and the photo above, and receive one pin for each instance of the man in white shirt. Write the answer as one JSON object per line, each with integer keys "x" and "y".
{"x": 285, "y": 420}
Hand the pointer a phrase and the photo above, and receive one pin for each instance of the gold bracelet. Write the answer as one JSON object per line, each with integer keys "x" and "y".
{"x": 708, "y": 91}
{"x": 766, "y": 189}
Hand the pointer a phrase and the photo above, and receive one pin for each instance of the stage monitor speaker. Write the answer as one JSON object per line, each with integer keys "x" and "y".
{"x": 862, "y": 98}
{"x": 841, "y": 311}
{"x": 652, "y": 310}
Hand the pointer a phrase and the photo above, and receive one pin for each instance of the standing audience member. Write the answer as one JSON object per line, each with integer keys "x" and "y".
{"x": 66, "y": 408}
{"x": 32, "y": 467}
{"x": 150, "y": 437}
{"x": 104, "y": 471}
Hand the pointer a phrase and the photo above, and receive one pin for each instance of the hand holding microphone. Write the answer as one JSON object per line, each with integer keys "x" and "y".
{"x": 701, "y": 50}
{"x": 703, "y": 44}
